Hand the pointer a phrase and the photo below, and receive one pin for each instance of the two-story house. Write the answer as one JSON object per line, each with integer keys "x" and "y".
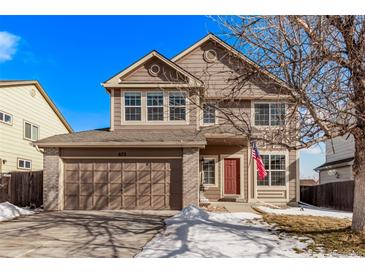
{"x": 161, "y": 147}
{"x": 340, "y": 152}
{"x": 26, "y": 115}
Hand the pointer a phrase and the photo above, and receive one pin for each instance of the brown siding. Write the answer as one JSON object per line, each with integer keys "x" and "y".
{"x": 292, "y": 176}
{"x": 117, "y": 108}
{"x": 216, "y": 75}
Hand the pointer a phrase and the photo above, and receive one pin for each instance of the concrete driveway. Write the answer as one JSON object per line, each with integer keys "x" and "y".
{"x": 80, "y": 233}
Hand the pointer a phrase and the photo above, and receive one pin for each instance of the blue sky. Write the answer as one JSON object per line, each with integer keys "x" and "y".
{"x": 72, "y": 55}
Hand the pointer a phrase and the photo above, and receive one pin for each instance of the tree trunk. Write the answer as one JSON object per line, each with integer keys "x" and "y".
{"x": 358, "y": 219}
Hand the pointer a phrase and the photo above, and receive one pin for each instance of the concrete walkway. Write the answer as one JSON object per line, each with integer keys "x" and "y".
{"x": 235, "y": 206}
{"x": 80, "y": 233}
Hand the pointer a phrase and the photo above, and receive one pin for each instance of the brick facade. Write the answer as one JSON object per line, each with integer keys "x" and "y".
{"x": 52, "y": 172}
{"x": 190, "y": 180}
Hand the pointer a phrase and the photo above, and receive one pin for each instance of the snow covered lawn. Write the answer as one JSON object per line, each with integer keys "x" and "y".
{"x": 312, "y": 211}
{"x": 196, "y": 233}
{"x": 9, "y": 211}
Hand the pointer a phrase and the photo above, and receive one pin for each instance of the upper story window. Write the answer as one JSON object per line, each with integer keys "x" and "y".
{"x": 6, "y": 118}
{"x": 269, "y": 114}
{"x": 31, "y": 131}
{"x": 177, "y": 106}
{"x": 208, "y": 114}
{"x": 132, "y": 106}
{"x": 275, "y": 166}
{"x": 155, "y": 106}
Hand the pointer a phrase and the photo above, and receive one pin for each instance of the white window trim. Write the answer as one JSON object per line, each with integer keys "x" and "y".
{"x": 202, "y": 118}
{"x": 32, "y": 125}
{"x": 274, "y": 152}
{"x": 268, "y": 103}
{"x": 25, "y": 160}
{"x": 163, "y": 107}
{"x": 216, "y": 169}
{"x": 3, "y": 121}
{"x": 144, "y": 117}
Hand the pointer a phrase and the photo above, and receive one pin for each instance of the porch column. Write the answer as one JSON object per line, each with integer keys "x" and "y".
{"x": 190, "y": 166}
{"x": 52, "y": 179}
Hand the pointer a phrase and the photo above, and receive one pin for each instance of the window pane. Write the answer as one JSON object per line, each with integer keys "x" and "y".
{"x": 277, "y": 114}
{"x": 278, "y": 178}
{"x": 177, "y": 113}
{"x": 262, "y": 114}
{"x": 278, "y": 162}
{"x": 34, "y": 133}
{"x": 208, "y": 115}
{"x": 132, "y": 113}
{"x": 21, "y": 163}
{"x": 27, "y": 164}
{"x": 155, "y": 99}
{"x": 177, "y": 99}
{"x": 209, "y": 171}
{"x": 155, "y": 114}
{"x": 27, "y": 130}
{"x": 1, "y": 116}
{"x": 132, "y": 99}
{"x": 266, "y": 160}
{"x": 264, "y": 182}
{"x": 7, "y": 118}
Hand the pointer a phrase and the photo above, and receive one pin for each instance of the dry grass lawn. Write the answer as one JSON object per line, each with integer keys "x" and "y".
{"x": 328, "y": 234}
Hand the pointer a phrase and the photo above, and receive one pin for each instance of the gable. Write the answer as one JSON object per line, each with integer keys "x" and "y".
{"x": 152, "y": 69}
{"x": 219, "y": 75}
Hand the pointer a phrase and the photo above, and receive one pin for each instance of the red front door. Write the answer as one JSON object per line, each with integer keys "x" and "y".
{"x": 231, "y": 176}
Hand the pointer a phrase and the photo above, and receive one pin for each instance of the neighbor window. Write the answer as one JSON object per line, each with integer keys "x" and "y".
{"x": 208, "y": 114}
{"x": 209, "y": 171}
{"x": 24, "y": 164}
{"x": 275, "y": 167}
{"x": 177, "y": 106}
{"x": 6, "y": 118}
{"x": 267, "y": 114}
{"x": 132, "y": 102}
{"x": 155, "y": 106}
{"x": 31, "y": 132}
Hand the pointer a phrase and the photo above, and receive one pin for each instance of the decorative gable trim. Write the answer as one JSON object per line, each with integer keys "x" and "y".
{"x": 116, "y": 80}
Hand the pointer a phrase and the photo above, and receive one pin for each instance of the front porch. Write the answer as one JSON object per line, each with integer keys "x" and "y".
{"x": 228, "y": 173}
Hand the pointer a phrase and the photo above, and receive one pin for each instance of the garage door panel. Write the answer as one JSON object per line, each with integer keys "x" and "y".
{"x": 129, "y": 202}
{"x": 115, "y": 177}
{"x": 144, "y": 177}
{"x": 129, "y": 189}
{"x": 86, "y": 202}
{"x": 100, "y": 176}
{"x": 72, "y": 202}
{"x": 101, "y": 189}
{"x": 158, "y": 177}
{"x": 86, "y": 176}
{"x": 115, "y": 202}
{"x": 129, "y": 177}
{"x": 144, "y": 189}
{"x": 122, "y": 184}
{"x": 115, "y": 189}
{"x": 71, "y": 176}
{"x": 86, "y": 189}
{"x": 72, "y": 189}
{"x": 100, "y": 202}
{"x": 86, "y": 166}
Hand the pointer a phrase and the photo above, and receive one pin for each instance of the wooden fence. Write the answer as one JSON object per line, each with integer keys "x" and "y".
{"x": 22, "y": 188}
{"x": 338, "y": 195}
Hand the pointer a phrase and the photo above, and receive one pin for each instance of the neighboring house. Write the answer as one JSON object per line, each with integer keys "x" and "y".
{"x": 26, "y": 115}
{"x": 340, "y": 153}
{"x": 160, "y": 148}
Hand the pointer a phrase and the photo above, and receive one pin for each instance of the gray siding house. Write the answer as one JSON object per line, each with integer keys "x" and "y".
{"x": 339, "y": 159}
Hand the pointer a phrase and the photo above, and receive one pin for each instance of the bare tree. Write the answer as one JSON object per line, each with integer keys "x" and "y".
{"x": 319, "y": 63}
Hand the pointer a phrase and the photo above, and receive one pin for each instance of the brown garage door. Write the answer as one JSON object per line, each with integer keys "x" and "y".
{"x": 123, "y": 184}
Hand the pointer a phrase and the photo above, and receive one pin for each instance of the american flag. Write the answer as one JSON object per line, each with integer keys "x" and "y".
{"x": 259, "y": 163}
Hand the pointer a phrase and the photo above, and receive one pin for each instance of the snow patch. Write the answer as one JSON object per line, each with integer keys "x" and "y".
{"x": 323, "y": 212}
{"x": 196, "y": 233}
{"x": 9, "y": 211}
